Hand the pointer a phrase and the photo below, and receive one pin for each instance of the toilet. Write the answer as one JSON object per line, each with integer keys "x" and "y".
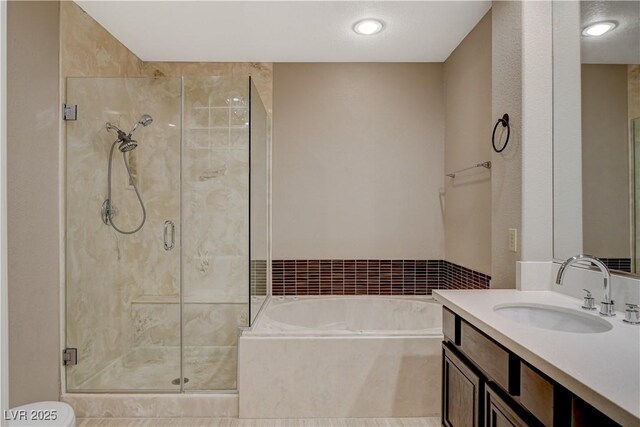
{"x": 41, "y": 414}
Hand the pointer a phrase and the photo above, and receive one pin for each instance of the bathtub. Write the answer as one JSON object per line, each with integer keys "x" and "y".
{"x": 360, "y": 356}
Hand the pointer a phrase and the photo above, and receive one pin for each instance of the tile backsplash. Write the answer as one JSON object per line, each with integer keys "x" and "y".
{"x": 620, "y": 264}
{"x": 371, "y": 277}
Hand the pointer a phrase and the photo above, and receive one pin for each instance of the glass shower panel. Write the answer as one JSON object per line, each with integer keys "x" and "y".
{"x": 635, "y": 176}
{"x": 215, "y": 240}
{"x": 259, "y": 224}
{"x": 123, "y": 290}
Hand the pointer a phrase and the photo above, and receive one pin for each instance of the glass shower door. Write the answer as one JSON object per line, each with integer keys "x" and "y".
{"x": 215, "y": 209}
{"x": 123, "y": 292}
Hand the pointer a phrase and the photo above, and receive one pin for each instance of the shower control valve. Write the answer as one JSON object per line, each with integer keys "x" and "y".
{"x": 108, "y": 211}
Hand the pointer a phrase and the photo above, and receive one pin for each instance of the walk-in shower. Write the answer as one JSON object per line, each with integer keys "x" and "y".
{"x": 162, "y": 302}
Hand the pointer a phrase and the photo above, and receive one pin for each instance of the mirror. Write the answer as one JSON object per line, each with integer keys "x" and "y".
{"x": 596, "y": 135}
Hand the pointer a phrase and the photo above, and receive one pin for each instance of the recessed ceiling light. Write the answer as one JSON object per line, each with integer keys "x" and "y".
{"x": 598, "y": 28}
{"x": 368, "y": 27}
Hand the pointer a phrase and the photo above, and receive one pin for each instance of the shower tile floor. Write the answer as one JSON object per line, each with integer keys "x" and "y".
{"x": 153, "y": 368}
{"x": 235, "y": 422}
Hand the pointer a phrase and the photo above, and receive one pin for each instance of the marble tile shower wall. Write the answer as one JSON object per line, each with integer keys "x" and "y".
{"x": 216, "y": 189}
{"x": 371, "y": 277}
{"x": 215, "y": 223}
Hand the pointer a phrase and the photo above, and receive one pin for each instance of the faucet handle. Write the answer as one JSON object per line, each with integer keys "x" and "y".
{"x": 608, "y": 309}
{"x": 589, "y": 302}
{"x": 632, "y": 314}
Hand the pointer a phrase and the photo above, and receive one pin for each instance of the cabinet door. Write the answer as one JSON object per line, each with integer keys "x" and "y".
{"x": 496, "y": 418}
{"x": 461, "y": 392}
{"x": 499, "y": 412}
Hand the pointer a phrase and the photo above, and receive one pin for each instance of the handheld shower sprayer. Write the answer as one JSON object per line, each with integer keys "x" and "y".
{"x": 145, "y": 121}
{"x": 127, "y": 143}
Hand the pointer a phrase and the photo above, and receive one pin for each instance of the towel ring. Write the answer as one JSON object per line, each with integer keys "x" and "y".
{"x": 505, "y": 123}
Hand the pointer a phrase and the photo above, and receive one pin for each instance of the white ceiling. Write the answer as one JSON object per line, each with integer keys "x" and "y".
{"x": 619, "y": 46}
{"x": 287, "y": 31}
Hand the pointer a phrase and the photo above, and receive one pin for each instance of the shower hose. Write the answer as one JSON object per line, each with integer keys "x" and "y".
{"x": 135, "y": 187}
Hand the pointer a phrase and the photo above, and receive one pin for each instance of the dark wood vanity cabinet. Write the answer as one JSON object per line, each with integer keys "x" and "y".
{"x": 471, "y": 399}
{"x": 486, "y": 385}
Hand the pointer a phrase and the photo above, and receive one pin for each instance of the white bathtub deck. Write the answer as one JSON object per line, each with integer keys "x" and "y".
{"x": 235, "y": 422}
{"x": 319, "y": 357}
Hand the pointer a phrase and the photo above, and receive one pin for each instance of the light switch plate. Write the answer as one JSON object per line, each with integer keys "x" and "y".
{"x": 513, "y": 239}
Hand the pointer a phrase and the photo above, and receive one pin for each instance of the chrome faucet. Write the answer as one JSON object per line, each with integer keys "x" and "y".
{"x": 607, "y": 307}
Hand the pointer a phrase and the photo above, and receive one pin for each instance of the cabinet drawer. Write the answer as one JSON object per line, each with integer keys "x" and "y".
{"x": 536, "y": 394}
{"x": 486, "y": 354}
{"x": 449, "y": 329}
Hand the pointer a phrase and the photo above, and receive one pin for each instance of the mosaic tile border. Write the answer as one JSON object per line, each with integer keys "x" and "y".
{"x": 455, "y": 276}
{"x": 371, "y": 277}
{"x": 620, "y": 264}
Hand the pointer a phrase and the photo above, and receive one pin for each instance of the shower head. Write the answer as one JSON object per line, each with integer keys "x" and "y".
{"x": 127, "y": 144}
{"x": 145, "y": 121}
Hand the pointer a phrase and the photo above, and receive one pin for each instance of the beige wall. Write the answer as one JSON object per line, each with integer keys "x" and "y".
{"x": 605, "y": 161}
{"x": 33, "y": 204}
{"x": 506, "y": 172}
{"x": 467, "y": 88}
{"x": 521, "y": 178}
{"x": 358, "y": 155}
{"x": 536, "y": 232}
{"x": 4, "y": 312}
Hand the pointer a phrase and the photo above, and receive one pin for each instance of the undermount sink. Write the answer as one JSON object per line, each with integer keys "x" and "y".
{"x": 553, "y": 318}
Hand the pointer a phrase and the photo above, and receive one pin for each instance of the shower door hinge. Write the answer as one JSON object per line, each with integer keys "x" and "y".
{"x": 70, "y": 356}
{"x": 70, "y": 112}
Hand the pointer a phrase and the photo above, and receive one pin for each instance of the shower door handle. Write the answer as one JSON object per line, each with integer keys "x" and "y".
{"x": 169, "y": 235}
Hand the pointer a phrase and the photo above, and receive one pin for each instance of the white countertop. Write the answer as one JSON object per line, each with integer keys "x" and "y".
{"x": 601, "y": 368}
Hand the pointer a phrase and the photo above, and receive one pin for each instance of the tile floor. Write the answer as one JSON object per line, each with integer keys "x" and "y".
{"x": 235, "y": 422}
